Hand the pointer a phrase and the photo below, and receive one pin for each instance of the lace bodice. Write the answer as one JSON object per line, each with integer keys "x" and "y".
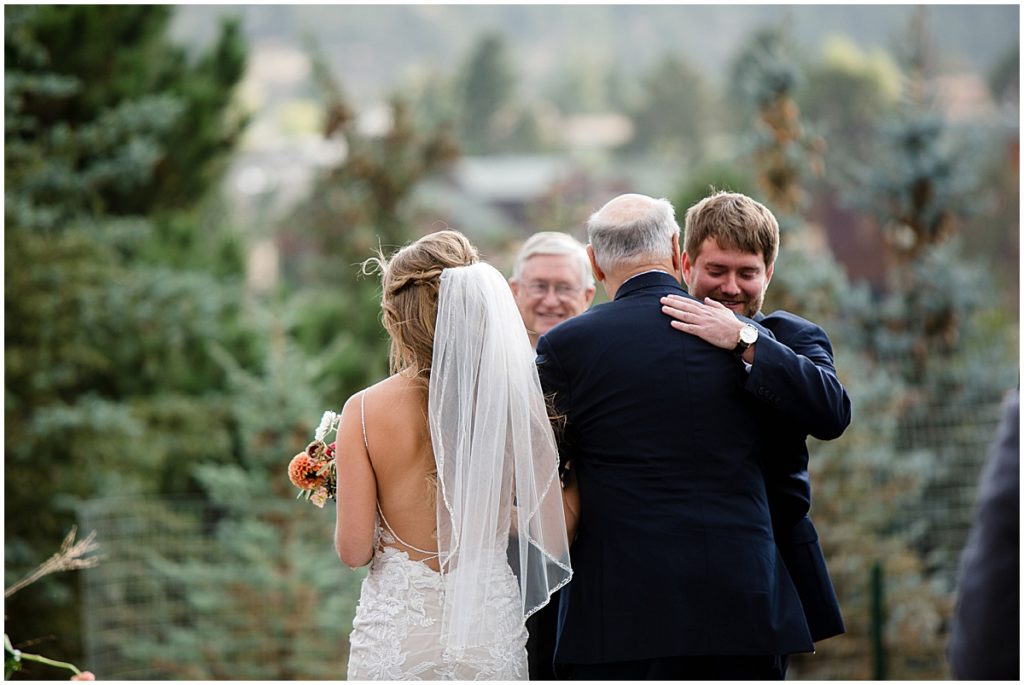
{"x": 397, "y": 627}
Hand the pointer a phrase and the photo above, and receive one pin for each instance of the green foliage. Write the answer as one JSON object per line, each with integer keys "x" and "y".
{"x": 860, "y": 483}
{"x": 763, "y": 70}
{"x": 485, "y": 89}
{"x": 113, "y": 301}
{"x": 588, "y": 84}
{"x": 808, "y": 281}
{"x": 138, "y": 128}
{"x": 924, "y": 334}
{"x": 992, "y": 233}
{"x": 263, "y": 596}
{"x": 1004, "y": 79}
{"x": 919, "y": 190}
{"x": 919, "y": 186}
{"x": 913, "y": 362}
{"x": 578, "y": 87}
{"x": 672, "y": 119}
{"x": 708, "y": 178}
{"x": 847, "y": 94}
{"x": 354, "y": 210}
{"x": 432, "y": 96}
{"x": 872, "y": 486}
{"x": 783, "y": 151}
{"x": 270, "y": 587}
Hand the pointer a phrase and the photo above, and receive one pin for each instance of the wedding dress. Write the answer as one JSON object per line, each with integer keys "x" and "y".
{"x": 502, "y": 547}
{"x": 396, "y": 633}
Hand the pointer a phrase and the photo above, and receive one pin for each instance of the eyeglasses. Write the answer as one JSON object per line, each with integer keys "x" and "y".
{"x": 563, "y": 291}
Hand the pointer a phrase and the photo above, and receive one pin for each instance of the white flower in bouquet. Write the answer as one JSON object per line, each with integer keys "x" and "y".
{"x": 327, "y": 422}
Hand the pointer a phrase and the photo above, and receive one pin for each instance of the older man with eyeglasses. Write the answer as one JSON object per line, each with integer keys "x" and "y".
{"x": 551, "y": 281}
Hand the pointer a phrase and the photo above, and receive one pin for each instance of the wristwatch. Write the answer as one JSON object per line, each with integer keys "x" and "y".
{"x": 748, "y": 336}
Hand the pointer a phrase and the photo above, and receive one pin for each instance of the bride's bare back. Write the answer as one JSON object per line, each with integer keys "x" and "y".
{"x": 395, "y": 471}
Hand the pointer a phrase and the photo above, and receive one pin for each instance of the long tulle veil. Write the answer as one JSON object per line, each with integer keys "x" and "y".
{"x": 497, "y": 464}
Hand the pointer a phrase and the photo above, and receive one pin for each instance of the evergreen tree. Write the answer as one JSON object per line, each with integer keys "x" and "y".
{"x": 782, "y": 149}
{"x": 583, "y": 85}
{"x": 674, "y": 112}
{"x": 1004, "y": 78}
{"x": 910, "y": 361}
{"x": 432, "y": 98}
{"x": 919, "y": 189}
{"x": 486, "y": 87}
{"x": 353, "y": 210}
{"x": 928, "y": 330}
{"x": 265, "y": 596}
{"x": 490, "y": 118}
{"x": 118, "y": 67}
{"x": 116, "y": 289}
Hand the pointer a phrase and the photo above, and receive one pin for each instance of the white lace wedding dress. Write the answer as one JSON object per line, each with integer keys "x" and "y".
{"x": 396, "y": 633}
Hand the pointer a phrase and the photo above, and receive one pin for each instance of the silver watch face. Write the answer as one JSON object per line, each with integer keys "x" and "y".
{"x": 748, "y": 335}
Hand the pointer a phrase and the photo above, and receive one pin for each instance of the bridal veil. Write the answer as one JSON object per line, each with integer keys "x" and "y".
{"x": 499, "y": 495}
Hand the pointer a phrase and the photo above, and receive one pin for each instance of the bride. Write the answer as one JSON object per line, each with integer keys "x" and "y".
{"x": 448, "y": 478}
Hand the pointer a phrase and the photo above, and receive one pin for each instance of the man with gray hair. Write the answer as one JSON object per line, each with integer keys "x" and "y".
{"x": 676, "y": 574}
{"x": 551, "y": 281}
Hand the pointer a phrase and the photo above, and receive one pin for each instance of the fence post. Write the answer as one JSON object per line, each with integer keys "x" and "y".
{"x": 877, "y": 622}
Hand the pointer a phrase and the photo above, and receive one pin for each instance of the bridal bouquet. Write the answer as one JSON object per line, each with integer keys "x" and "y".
{"x": 312, "y": 471}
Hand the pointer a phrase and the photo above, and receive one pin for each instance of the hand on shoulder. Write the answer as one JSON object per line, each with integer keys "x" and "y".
{"x": 710, "y": 321}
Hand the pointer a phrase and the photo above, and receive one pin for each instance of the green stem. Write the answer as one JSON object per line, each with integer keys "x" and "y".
{"x": 50, "y": 662}
{"x": 22, "y": 656}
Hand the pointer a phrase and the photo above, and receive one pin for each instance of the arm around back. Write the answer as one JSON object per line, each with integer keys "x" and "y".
{"x": 796, "y": 374}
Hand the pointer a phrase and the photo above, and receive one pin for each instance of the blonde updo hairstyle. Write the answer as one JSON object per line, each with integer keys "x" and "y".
{"x": 411, "y": 281}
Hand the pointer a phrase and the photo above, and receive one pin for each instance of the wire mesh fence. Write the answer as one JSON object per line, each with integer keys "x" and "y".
{"x": 189, "y": 589}
{"x": 953, "y": 440}
{"x": 914, "y": 546}
{"x": 186, "y": 591}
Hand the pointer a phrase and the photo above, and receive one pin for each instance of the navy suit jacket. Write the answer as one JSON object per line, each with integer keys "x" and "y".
{"x": 674, "y": 553}
{"x": 794, "y": 374}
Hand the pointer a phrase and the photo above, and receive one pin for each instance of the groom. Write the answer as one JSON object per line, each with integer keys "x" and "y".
{"x": 676, "y": 574}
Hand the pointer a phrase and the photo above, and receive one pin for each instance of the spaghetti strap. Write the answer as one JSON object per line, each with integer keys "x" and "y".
{"x": 380, "y": 512}
{"x": 362, "y": 419}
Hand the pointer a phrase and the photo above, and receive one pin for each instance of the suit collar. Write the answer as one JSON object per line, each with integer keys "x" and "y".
{"x": 758, "y": 317}
{"x": 651, "y": 279}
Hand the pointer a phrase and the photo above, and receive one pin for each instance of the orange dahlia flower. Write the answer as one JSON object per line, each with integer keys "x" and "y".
{"x": 303, "y": 472}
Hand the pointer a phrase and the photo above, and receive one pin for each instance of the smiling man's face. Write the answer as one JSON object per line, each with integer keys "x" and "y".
{"x": 549, "y": 291}
{"x": 736, "y": 279}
